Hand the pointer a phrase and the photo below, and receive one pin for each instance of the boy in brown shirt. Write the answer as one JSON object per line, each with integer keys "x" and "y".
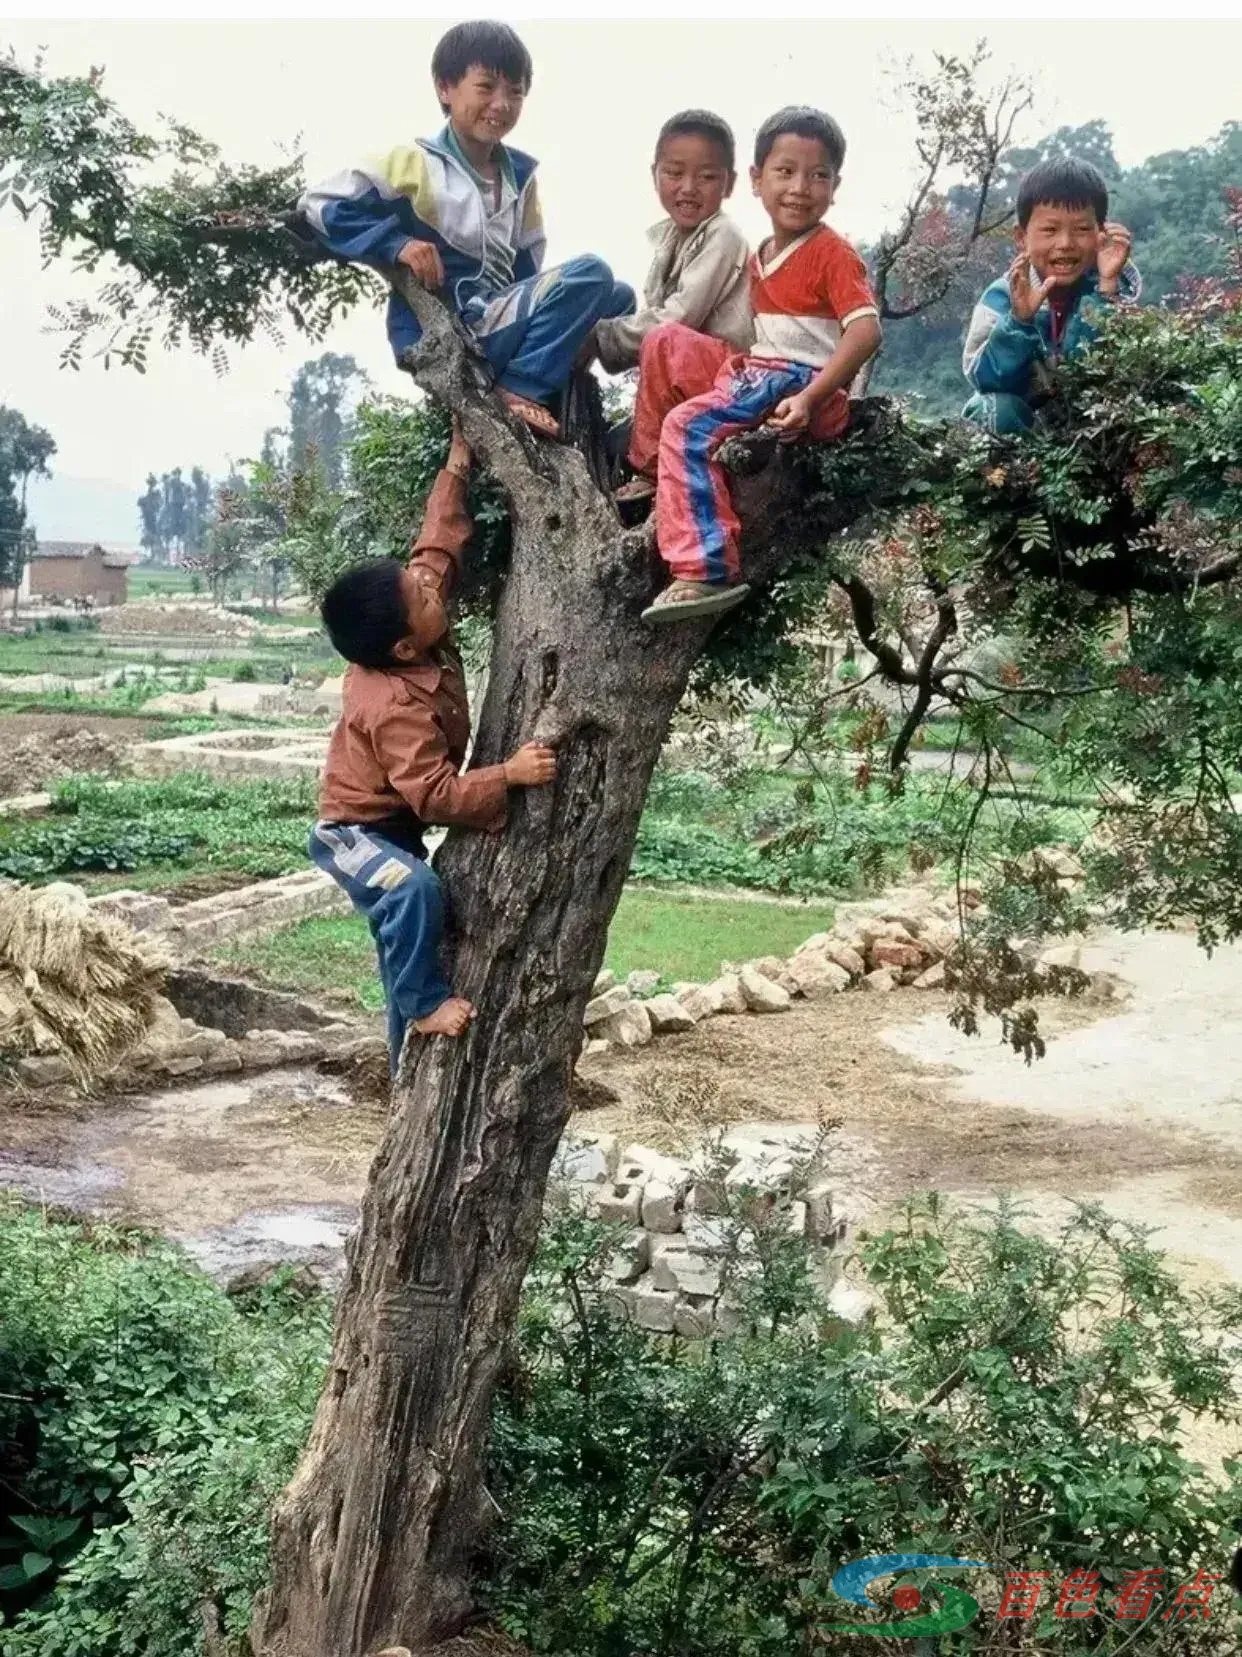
{"x": 395, "y": 757}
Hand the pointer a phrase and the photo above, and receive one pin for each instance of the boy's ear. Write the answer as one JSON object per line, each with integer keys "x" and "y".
{"x": 405, "y": 649}
{"x": 730, "y": 181}
{"x": 756, "y": 173}
{"x": 1019, "y": 238}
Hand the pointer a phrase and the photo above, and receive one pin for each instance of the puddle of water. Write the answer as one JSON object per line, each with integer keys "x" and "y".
{"x": 311, "y": 1236}
{"x": 76, "y": 1185}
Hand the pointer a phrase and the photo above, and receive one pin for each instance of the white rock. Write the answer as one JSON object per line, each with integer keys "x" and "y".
{"x": 850, "y": 1305}
{"x": 1062, "y": 955}
{"x": 661, "y": 1207}
{"x": 652, "y": 1308}
{"x": 821, "y": 1222}
{"x": 881, "y": 981}
{"x": 817, "y": 977}
{"x": 761, "y": 994}
{"x": 605, "y": 1005}
{"x": 726, "y": 994}
{"x": 706, "y": 1235}
{"x": 617, "y": 1202}
{"x": 642, "y": 982}
{"x": 847, "y": 958}
{"x": 692, "y": 1322}
{"x": 668, "y": 1015}
{"x": 587, "y": 1161}
{"x": 676, "y": 1268}
{"x": 640, "y": 1162}
{"x": 630, "y": 1258}
{"x": 630, "y": 1027}
{"x": 769, "y": 966}
{"x": 607, "y": 980}
{"x": 593, "y": 1049}
{"x": 1062, "y": 863}
{"x": 696, "y": 1002}
{"x": 932, "y": 979}
{"x": 817, "y": 944}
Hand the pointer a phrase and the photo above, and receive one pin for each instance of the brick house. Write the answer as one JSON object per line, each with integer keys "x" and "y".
{"x": 76, "y": 569}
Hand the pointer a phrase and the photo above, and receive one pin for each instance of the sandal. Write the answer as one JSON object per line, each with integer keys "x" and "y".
{"x": 538, "y": 418}
{"x": 634, "y": 493}
{"x": 688, "y": 600}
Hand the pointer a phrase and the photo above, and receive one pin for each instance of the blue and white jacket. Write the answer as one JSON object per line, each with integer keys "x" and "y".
{"x": 1003, "y": 354}
{"x": 424, "y": 193}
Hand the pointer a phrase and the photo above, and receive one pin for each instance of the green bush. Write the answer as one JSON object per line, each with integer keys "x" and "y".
{"x": 1024, "y": 1407}
{"x": 1023, "y": 1403}
{"x": 150, "y": 1419}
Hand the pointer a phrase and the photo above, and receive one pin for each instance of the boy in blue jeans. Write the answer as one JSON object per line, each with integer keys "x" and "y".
{"x": 1071, "y": 264}
{"x": 461, "y": 212}
{"x": 394, "y": 761}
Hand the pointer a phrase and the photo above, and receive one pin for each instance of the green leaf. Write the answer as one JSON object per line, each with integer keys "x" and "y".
{"x": 35, "y": 1564}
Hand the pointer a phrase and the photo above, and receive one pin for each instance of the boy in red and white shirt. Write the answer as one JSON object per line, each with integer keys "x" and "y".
{"x": 816, "y": 324}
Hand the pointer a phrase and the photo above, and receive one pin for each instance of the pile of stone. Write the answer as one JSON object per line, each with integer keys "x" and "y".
{"x": 905, "y": 937}
{"x": 689, "y": 1227}
{"x": 186, "y": 617}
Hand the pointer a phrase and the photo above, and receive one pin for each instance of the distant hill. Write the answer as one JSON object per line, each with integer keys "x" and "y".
{"x": 84, "y": 509}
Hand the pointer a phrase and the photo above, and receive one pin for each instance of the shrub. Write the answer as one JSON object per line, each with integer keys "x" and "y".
{"x": 1023, "y": 1407}
{"x": 157, "y": 1419}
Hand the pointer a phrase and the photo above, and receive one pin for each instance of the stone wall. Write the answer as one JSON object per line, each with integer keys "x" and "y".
{"x": 244, "y": 912}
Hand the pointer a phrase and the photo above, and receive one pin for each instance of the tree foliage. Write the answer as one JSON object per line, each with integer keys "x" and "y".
{"x": 176, "y": 258}
{"x": 25, "y": 450}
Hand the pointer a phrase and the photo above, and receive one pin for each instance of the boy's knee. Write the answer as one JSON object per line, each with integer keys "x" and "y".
{"x": 657, "y": 344}
{"x": 590, "y": 270}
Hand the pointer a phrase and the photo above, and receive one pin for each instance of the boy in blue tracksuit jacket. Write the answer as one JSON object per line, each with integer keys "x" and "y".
{"x": 1071, "y": 263}
{"x": 462, "y": 212}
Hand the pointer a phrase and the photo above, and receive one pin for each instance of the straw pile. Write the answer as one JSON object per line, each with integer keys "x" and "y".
{"x": 73, "y": 982}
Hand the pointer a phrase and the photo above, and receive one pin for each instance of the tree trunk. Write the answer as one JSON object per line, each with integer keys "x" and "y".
{"x": 374, "y": 1537}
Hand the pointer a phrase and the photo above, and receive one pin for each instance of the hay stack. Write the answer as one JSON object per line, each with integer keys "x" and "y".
{"x": 73, "y": 982}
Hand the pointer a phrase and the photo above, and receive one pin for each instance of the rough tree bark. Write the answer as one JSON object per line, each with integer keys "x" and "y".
{"x": 374, "y": 1537}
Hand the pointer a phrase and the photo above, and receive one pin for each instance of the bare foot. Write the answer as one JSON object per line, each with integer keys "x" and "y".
{"x": 451, "y": 1018}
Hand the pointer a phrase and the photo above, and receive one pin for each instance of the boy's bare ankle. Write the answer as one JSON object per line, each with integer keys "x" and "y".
{"x": 450, "y": 1018}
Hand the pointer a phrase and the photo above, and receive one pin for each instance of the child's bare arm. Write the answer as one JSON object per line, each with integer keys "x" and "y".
{"x": 859, "y": 342}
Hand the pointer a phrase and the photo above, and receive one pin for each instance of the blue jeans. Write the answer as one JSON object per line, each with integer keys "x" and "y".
{"x": 532, "y": 332}
{"x": 401, "y": 899}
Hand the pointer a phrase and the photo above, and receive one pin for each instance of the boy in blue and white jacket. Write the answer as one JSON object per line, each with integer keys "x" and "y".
{"x": 462, "y": 212}
{"x": 1071, "y": 264}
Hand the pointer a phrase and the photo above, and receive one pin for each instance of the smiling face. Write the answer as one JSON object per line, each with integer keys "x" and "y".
{"x": 796, "y": 184}
{"x": 692, "y": 178}
{"x": 483, "y": 105}
{"x": 1061, "y": 242}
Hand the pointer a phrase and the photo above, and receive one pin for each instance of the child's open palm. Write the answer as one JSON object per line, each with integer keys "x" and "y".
{"x": 1115, "y": 243}
{"x": 1025, "y": 296}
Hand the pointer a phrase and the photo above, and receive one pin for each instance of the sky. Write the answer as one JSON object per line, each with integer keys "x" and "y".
{"x": 340, "y": 90}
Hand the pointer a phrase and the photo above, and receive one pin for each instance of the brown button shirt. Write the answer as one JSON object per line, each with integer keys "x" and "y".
{"x": 402, "y": 735}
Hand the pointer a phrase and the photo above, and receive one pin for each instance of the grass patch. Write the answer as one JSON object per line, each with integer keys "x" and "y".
{"x": 689, "y": 937}
{"x": 680, "y": 937}
{"x": 326, "y": 953}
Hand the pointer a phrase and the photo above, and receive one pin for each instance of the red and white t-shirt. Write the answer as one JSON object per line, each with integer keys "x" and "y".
{"x": 806, "y": 295}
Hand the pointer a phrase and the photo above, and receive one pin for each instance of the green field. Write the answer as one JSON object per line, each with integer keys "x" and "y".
{"x": 147, "y": 581}
{"x": 678, "y": 937}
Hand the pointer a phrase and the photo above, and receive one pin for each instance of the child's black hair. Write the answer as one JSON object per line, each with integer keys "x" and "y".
{"x": 700, "y": 123}
{"x": 803, "y": 122}
{"x": 364, "y": 612}
{"x": 1064, "y": 183}
{"x": 491, "y": 46}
